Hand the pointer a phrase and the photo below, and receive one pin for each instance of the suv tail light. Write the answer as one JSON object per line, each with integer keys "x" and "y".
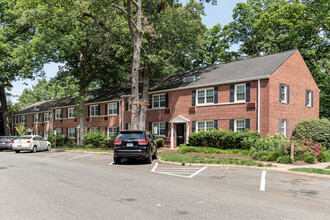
{"x": 29, "y": 142}
{"x": 10, "y": 142}
{"x": 143, "y": 142}
{"x": 117, "y": 142}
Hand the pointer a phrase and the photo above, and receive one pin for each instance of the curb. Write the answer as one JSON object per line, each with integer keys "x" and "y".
{"x": 272, "y": 169}
{"x": 82, "y": 152}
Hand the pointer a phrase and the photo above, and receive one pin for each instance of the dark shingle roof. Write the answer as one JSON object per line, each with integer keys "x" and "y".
{"x": 253, "y": 68}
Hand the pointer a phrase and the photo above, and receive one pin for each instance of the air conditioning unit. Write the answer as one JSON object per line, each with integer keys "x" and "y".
{"x": 189, "y": 79}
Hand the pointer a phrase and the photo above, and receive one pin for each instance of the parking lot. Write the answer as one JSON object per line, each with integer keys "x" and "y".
{"x": 93, "y": 187}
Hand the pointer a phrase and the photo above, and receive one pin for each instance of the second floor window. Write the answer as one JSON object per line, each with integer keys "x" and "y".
{"x": 309, "y": 98}
{"x": 283, "y": 93}
{"x": 205, "y": 96}
{"x": 58, "y": 114}
{"x": 36, "y": 118}
{"x": 23, "y": 119}
{"x": 70, "y": 113}
{"x": 240, "y": 92}
{"x": 46, "y": 117}
{"x": 112, "y": 109}
{"x": 94, "y": 110}
{"x": 159, "y": 101}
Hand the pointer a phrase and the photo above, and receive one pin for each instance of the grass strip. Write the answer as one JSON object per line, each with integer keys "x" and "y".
{"x": 187, "y": 158}
{"x": 211, "y": 150}
{"x": 311, "y": 170}
{"x": 328, "y": 167}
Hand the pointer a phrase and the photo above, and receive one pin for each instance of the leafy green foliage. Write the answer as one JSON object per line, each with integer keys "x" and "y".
{"x": 58, "y": 140}
{"x": 21, "y": 129}
{"x": 316, "y": 130}
{"x": 95, "y": 139}
{"x": 111, "y": 140}
{"x": 223, "y": 139}
{"x": 286, "y": 159}
{"x": 160, "y": 142}
{"x": 210, "y": 150}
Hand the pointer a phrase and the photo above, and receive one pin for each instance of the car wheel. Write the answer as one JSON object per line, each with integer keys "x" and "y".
{"x": 155, "y": 155}
{"x": 34, "y": 149}
{"x": 149, "y": 159}
{"x": 48, "y": 148}
{"x": 1, "y": 149}
{"x": 116, "y": 160}
{"x": 17, "y": 151}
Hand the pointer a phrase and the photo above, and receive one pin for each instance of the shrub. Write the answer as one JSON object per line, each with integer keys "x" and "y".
{"x": 95, "y": 139}
{"x": 111, "y": 140}
{"x": 309, "y": 159}
{"x": 286, "y": 159}
{"x": 316, "y": 129}
{"x": 223, "y": 139}
{"x": 160, "y": 142}
{"x": 61, "y": 140}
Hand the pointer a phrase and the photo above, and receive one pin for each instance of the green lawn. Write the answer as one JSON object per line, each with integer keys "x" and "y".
{"x": 311, "y": 170}
{"x": 328, "y": 167}
{"x": 188, "y": 158}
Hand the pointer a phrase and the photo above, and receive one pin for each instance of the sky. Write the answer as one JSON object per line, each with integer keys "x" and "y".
{"x": 220, "y": 13}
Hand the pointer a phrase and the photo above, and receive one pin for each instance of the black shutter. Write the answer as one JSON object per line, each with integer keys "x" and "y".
{"x": 126, "y": 105}
{"x": 312, "y": 98}
{"x": 232, "y": 91}
{"x": 117, "y": 130}
{"x": 126, "y": 126}
{"x": 247, "y": 88}
{"x": 99, "y": 109}
{"x": 150, "y": 101}
{"x": 166, "y": 100}
{"x": 306, "y": 97}
{"x": 88, "y": 129}
{"x": 279, "y": 92}
{"x": 99, "y": 128}
{"x": 247, "y": 124}
{"x": 215, "y": 99}
{"x": 166, "y": 129}
{"x": 117, "y": 108}
{"x": 193, "y": 126}
{"x": 89, "y": 110}
{"x": 106, "y": 109}
{"x": 33, "y": 118}
{"x": 279, "y": 125}
{"x": 61, "y": 113}
{"x": 193, "y": 98}
{"x": 67, "y": 110}
{"x": 287, "y": 128}
{"x": 67, "y": 132}
{"x": 231, "y": 124}
{"x": 288, "y": 94}
{"x": 150, "y": 127}
{"x": 75, "y": 132}
{"x": 215, "y": 124}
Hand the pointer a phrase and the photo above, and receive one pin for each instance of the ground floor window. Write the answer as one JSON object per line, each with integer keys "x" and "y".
{"x": 71, "y": 133}
{"x": 159, "y": 128}
{"x": 46, "y": 134}
{"x": 240, "y": 125}
{"x": 112, "y": 131}
{"x": 205, "y": 125}
{"x": 58, "y": 131}
{"x": 93, "y": 129}
{"x": 284, "y": 127}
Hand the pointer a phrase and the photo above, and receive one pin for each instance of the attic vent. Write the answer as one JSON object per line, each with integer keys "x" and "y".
{"x": 189, "y": 79}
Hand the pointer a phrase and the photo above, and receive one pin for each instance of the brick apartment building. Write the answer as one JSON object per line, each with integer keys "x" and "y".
{"x": 268, "y": 94}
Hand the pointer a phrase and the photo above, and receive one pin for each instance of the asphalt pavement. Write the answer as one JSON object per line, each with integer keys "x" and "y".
{"x": 68, "y": 185}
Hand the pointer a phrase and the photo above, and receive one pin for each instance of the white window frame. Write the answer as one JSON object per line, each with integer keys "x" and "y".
{"x": 23, "y": 121}
{"x": 205, "y": 125}
{"x": 71, "y": 133}
{"x": 58, "y": 113}
{"x": 158, "y": 133}
{"x": 239, "y": 120}
{"x": 114, "y": 110}
{"x": 93, "y": 129}
{"x": 283, "y": 124}
{"x": 16, "y": 120}
{"x": 36, "y": 118}
{"x": 94, "y": 110}
{"x": 205, "y": 96}
{"x": 237, "y": 85}
{"x": 112, "y": 131}
{"x": 159, "y": 101}
{"x": 309, "y": 93}
{"x": 46, "y": 134}
{"x": 59, "y": 131}
{"x": 70, "y": 113}
{"x": 285, "y": 93}
{"x": 46, "y": 119}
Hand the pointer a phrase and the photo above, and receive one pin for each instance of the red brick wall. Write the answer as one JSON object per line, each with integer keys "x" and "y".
{"x": 294, "y": 73}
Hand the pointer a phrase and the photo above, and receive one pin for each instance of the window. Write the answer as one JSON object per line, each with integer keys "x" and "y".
{"x": 205, "y": 125}
{"x": 35, "y": 133}
{"x": 240, "y": 125}
{"x": 205, "y": 96}
{"x": 58, "y": 131}
{"x": 58, "y": 114}
{"x": 159, "y": 128}
{"x": 46, "y": 117}
{"x": 71, "y": 133}
{"x": 16, "y": 120}
{"x": 283, "y": 93}
{"x": 23, "y": 119}
{"x": 94, "y": 110}
{"x": 112, "y": 131}
{"x": 240, "y": 92}
{"x": 46, "y": 134}
{"x": 129, "y": 126}
{"x": 70, "y": 113}
{"x": 36, "y": 118}
{"x": 308, "y": 98}
{"x": 159, "y": 101}
{"x": 94, "y": 129}
{"x": 112, "y": 109}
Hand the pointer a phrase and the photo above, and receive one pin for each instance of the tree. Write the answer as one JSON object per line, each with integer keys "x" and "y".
{"x": 269, "y": 26}
{"x": 21, "y": 129}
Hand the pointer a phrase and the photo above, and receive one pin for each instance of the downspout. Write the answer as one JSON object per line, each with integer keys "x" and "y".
{"x": 119, "y": 113}
{"x": 258, "y": 106}
{"x": 122, "y": 108}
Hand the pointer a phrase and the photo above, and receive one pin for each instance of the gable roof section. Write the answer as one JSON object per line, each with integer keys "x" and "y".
{"x": 238, "y": 71}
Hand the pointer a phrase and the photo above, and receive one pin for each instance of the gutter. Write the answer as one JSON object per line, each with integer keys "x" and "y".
{"x": 258, "y": 125}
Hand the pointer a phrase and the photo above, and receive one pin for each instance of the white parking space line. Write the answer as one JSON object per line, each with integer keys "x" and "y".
{"x": 73, "y": 158}
{"x": 263, "y": 181}
{"x": 185, "y": 172}
{"x": 56, "y": 154}
{"x": 110, "y": 163}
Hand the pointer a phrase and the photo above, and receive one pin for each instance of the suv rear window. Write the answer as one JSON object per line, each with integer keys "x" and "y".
{"x": 133, "y": 135}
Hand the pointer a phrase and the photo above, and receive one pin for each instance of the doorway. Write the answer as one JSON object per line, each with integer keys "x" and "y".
{"x": 179, "y": 134}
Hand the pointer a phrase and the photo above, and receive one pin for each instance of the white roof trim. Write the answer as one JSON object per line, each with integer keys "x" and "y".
{"x": 179, "y": 119}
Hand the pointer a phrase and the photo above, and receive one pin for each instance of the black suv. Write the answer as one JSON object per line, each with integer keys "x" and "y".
{"x": 134, "y": 144}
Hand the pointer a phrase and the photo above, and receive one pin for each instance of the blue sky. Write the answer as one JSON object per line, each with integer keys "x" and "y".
{"x": 220, "y": 13}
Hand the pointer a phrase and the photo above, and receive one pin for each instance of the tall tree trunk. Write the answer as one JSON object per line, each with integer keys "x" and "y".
{"x": 4, "y": 109}
{"x": 82, "y": 92}
{"x": 136, "y": 104}
{"x": 144, "y": 99}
